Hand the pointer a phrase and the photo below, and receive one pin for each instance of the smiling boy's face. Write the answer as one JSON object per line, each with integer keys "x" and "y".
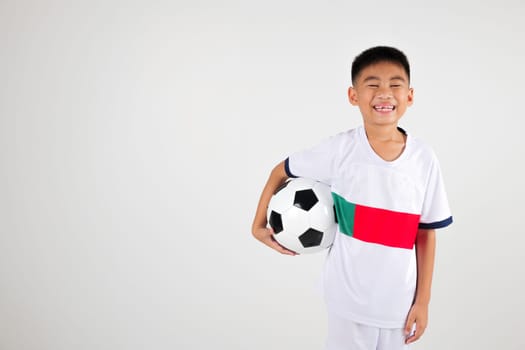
{"x": 382, "y": 92}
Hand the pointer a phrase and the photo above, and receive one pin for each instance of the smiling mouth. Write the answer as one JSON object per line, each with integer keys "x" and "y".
{"x": 387, "y": 108}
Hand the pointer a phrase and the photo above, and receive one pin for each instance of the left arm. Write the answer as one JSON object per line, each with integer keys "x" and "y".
{"x": 418, "y": 314}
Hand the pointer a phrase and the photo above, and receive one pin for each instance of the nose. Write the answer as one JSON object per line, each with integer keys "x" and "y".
{"x": 384, "y": 92}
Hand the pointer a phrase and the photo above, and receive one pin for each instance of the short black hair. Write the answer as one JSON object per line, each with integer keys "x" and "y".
{"x": 379, "y": 54}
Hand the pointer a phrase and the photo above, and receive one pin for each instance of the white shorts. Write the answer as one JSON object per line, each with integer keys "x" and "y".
{"x": 344, "y": 334}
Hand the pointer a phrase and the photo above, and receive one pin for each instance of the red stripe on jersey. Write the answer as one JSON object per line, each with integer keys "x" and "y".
{"x": 386, "y": 227}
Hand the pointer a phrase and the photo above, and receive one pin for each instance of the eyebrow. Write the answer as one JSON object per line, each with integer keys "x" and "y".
{"x": 370, "y": 77}
{"x": 397, "y": 77}
{"x": 373, "y": 77}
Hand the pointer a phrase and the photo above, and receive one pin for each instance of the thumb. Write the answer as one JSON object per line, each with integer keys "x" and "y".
{"x": 411, "y": 319}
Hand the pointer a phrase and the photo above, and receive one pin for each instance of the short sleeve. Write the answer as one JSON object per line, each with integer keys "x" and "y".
{"x": 317, "y": 163}
{"x": 436, "y": 211}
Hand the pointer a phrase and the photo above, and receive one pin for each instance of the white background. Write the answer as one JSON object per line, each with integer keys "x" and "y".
{"x": 136, "y": 136}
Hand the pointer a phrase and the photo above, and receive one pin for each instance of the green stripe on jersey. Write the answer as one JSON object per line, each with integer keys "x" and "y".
{"x": 345, "y": 212}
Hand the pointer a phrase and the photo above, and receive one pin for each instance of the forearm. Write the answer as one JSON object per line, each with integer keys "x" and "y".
{"x": 425, "y": 254}
{"x": 277, "y": 178}
{"x": 418, "y": 314}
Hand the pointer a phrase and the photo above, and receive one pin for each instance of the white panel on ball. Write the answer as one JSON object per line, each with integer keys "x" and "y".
{"x": 303, "y": 206}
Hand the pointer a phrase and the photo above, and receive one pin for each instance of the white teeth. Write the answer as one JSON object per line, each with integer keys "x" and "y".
{"x": 384, "y": 108}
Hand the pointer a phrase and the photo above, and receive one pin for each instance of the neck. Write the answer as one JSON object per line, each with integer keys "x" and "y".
{"x": 383, "y": 132}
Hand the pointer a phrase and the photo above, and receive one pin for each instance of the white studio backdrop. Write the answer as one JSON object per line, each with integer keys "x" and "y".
{"x": 136, "y": 136}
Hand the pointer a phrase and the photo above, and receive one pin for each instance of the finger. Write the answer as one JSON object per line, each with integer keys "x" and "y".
{"x": 416, "y": 335}
{"x": 283, "y": 250}
{"x": 275, "y": 245}
{"x": 287, "y": 252}
{"x": 413, "y": 338}
{"x": 409, "y": 326}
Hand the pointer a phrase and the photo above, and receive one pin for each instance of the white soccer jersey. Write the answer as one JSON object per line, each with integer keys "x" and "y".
{"x": 370, "y": 272}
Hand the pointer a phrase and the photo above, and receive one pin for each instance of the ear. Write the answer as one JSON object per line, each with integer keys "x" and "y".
{"x": 352, "y": 96}
{"x": 410, "y": 97}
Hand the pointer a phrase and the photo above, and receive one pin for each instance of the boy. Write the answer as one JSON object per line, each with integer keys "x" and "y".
{"x": 389, "y": 198}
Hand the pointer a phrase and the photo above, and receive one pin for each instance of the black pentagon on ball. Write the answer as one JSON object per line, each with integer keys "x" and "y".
{"x": 276, "y": 222}
{"x": 305, "y": 199}
{"x": 311, "y": 238}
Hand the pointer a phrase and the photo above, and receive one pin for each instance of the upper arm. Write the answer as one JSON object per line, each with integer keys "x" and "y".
{"x": 279, "y": 172}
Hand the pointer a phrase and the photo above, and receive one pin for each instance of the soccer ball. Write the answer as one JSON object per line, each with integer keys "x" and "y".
{"x": 302, "y": 216}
